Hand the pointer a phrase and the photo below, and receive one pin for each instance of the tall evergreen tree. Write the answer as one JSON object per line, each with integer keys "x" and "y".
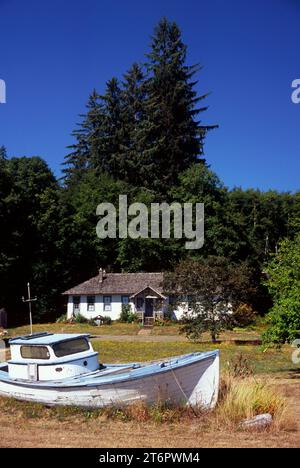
{"x": 133, "y": 114}
{"x": 3, "y": 154}
{"x": 108, "y": 137}
{"x": 83, "y": 153}
{"x": 172, "y": 137}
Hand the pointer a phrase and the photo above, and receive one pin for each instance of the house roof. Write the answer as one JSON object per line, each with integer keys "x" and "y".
{"x": 118, "y": 283}
{"x": 158, "y": 293}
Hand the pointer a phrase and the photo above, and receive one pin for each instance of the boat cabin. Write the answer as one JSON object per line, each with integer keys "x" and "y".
{"x": 48, "y": 356}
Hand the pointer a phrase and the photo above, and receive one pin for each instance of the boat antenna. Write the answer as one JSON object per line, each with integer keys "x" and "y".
{"x": 29, "y": 301}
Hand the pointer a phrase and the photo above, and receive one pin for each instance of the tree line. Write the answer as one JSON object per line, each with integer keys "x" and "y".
{"x": 143, "y": 137}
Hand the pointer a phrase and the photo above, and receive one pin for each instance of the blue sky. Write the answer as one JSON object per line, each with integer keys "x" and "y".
{"x": 53, "y": 53}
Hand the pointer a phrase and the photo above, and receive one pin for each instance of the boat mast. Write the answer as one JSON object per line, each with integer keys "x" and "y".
{"x": 29, "y": 300}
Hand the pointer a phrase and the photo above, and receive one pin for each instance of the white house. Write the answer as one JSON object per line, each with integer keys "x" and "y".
{"x": 105, "y": 293}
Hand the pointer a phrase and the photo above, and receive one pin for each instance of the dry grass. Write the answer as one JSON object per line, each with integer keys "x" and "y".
{"x": 239, "y": 398}
{"x": 244, "y": 398}
{"x": 31, "y": 425}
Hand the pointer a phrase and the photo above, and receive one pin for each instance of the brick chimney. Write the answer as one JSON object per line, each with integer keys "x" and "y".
{"x": 102, "y": 275}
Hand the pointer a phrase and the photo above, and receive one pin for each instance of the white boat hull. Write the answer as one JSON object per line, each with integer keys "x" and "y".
{"x": 192, "y": 380}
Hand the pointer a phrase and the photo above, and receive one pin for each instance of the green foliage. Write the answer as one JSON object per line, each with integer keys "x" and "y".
{"x": 142, "y": 137}
{"x": 283, "y": 280}
{"x": 210, "y": 286}
{"x": 28, "y": 250}
{"x": 79, "y": 318}
{"x": 106, "y": 320}
{"x": 144, "y": 131}
{"x": 127, "y": 316}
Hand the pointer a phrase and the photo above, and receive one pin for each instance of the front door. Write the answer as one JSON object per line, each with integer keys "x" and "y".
{"x": 149, "y": 308}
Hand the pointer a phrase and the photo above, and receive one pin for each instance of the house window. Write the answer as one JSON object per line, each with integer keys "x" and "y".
{"x": 76, "y": 304}
{"x": 107, "y": 303}
{"x": 125, "y": 300}
{"x": 91, "y": 303}
{"x": 139, "y": 303}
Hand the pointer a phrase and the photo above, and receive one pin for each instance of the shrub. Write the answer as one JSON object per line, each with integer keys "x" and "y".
{"x": 243, "y": 315}
{"x": 80, "y": 319}
{"x": 106, "y": 320}
{"x": 283, "y": 281}
{"x": 127, "y": 316}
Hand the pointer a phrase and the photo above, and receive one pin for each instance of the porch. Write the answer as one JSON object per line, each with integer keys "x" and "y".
{"x": 149, "y": 305}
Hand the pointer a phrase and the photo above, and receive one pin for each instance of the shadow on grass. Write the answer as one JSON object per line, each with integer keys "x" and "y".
{"x": 293, "y": 373}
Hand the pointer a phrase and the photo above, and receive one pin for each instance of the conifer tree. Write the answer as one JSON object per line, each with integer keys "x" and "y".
{"x": 83, "y": 155}
{"x": 133, "y": 115}
{"x": 3, "y": 154}
{"x": 172, "y": 137}
{"x": 107, "y": 140}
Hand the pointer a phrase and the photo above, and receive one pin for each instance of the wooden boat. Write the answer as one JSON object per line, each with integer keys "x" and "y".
{"x": 63, "y": 369}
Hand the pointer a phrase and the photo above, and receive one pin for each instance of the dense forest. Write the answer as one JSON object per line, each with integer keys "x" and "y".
{"x": 143, "y": 137}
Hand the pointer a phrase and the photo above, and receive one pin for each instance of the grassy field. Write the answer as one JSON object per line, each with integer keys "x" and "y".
{"x": 115, "y": 329}
{"x": 263, "y": 361}
{"x": 132, "y": 329}
{"x": 33, "y": 425}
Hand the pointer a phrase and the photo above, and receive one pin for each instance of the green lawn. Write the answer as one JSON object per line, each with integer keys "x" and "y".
{"x": 263, "y": 361}
{"x": 115, "y": 329}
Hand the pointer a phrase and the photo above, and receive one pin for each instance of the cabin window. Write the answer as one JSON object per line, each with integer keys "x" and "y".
{"x": 140, "y": 303}
{"x": 76, "y": 303}
{"x": 107, "y": 303}
{"x": 71, "y": 347}
{"x": 91, "y": 303}
{"x": 35, "y": 352}
{"x": 125, "y": 300}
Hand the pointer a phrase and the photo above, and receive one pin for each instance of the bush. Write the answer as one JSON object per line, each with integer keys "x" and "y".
{"x": 106, "y": 320}
{"x": 243, "y": 315}
{"x": 100, "y": 320}
{"x": 80, "y": 319}
{"x": 283, "y": 281}
{"x": 127, "y": 316}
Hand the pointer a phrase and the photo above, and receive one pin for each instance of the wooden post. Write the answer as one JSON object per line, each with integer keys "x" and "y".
{"x": 29, "y": 300}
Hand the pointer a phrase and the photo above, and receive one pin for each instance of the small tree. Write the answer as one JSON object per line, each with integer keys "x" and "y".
{"x": 127, "y": 316}
{"x": 283, "y": 273}
{"x": 211, "y": 286}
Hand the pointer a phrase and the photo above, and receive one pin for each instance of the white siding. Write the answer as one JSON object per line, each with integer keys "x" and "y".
{"x": 114, "y": 313}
